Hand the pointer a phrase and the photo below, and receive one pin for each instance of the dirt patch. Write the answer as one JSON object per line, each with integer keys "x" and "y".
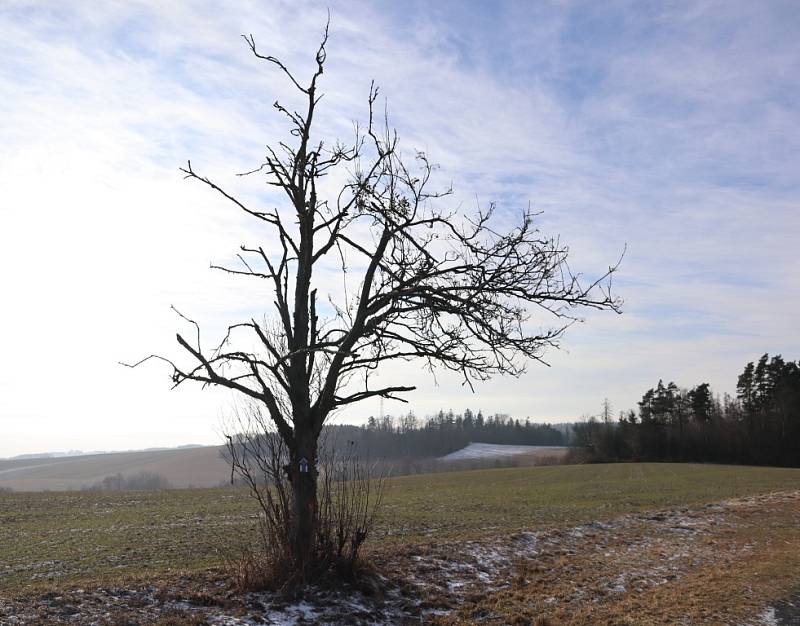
{"x": 205, "y": 600}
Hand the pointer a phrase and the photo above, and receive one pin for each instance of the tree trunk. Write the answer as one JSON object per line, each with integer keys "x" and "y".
{"x": 303, "y": 474}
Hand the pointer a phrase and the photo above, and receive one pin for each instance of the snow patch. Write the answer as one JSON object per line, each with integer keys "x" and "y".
{"x": 768, "y": 618}
{"x": 492, "y": 451}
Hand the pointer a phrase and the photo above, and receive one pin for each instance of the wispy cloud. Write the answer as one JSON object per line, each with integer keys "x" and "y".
{"x": 668, "y": 126}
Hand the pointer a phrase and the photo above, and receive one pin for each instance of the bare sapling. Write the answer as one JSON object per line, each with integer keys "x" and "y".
{"x": 349, "y": 492}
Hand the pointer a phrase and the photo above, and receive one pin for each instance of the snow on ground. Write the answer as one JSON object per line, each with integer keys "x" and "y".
{"x": 493, "y": 451}
{"x": 213, "y": 605}
{"x": 781, "y": 613}
{"x": 768, "y": 617}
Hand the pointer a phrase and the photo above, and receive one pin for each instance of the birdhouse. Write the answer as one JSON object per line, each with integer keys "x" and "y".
{"x": 304, "y": 465}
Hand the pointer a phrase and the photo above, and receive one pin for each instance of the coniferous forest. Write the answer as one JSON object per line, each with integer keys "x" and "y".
{"x": 759, "y": 426}
{"x": 445, "y": 432}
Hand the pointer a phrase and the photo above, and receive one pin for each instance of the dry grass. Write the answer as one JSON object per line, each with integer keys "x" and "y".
{"x": 709, "y": 565}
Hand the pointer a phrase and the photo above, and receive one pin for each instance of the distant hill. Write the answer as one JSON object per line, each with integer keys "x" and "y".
{"x": 60, "y": 454}
{"x": 187, "y": 466}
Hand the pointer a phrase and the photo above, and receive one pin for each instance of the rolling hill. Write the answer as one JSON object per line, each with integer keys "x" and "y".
{"x": 182, "y": 467}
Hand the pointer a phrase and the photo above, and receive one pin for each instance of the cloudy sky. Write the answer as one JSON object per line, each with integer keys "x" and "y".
{"x": 671, "y": 127}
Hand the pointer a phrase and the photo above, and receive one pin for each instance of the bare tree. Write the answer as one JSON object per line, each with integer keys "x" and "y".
{"x": 447, "y": 289}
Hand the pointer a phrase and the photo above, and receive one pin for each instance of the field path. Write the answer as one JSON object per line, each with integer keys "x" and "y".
{"x": 733, "y": 562}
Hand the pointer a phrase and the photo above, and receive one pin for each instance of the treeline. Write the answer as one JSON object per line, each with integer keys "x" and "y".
{"x": 408, "y": 436}
{"x": 143, "y": 481}
{"x": 760, "y": 426}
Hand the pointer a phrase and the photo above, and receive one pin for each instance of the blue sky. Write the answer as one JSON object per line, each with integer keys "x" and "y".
{"x": 669, "y": 127}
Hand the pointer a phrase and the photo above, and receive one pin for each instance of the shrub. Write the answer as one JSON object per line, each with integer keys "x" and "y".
{"x": 348, "y": 497}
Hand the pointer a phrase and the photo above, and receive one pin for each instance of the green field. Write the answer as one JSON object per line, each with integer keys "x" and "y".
{"x": 84, "y": 537}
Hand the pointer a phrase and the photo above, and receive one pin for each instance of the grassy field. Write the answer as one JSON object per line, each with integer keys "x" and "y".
{"x": 85, "y": 537}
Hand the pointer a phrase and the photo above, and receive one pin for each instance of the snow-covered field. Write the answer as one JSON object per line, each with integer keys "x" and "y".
{"x": 488, "y": 451}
